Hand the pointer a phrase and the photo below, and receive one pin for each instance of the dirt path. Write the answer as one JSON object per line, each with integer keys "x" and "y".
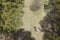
{"x": 31, "y": 19}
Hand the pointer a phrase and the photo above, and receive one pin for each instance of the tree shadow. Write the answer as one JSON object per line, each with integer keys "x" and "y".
{"x": 51, "y": 25}
{"x": 47, "y": 27}
{"x": 19, "y": 35}
{"x": 50, "y": 28}
{"x": 35, "y": 5}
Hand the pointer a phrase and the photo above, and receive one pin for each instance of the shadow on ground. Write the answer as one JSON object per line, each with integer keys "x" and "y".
{"x": 35, "y": 5}
{"x": 19, "y": 35}
{"x": 50, "y": 26}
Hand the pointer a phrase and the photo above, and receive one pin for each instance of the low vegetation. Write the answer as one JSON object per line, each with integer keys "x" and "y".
{"x": 10, "y": 15}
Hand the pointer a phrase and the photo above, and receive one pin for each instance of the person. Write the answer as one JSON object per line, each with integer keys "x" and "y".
{"x": 37, "y": 29}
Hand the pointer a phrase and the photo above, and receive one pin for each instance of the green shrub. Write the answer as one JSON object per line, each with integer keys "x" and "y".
{"x": 11, "y": 15}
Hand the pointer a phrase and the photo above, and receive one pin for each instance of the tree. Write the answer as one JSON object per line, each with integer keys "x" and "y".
{"x": 52, "y": 20}
{"x": 11, "y": 14}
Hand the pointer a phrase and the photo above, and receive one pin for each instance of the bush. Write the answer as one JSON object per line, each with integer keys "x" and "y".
{"x": 10, "y": 15}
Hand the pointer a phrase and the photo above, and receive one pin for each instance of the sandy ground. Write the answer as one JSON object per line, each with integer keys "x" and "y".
{"x": 31, "y": 19}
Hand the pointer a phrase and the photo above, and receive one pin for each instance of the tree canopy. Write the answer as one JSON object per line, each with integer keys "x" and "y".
{"x": 11, "y": 14}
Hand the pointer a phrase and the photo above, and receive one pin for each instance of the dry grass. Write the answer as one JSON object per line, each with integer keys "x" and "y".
{"x": 33, "y": 18}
